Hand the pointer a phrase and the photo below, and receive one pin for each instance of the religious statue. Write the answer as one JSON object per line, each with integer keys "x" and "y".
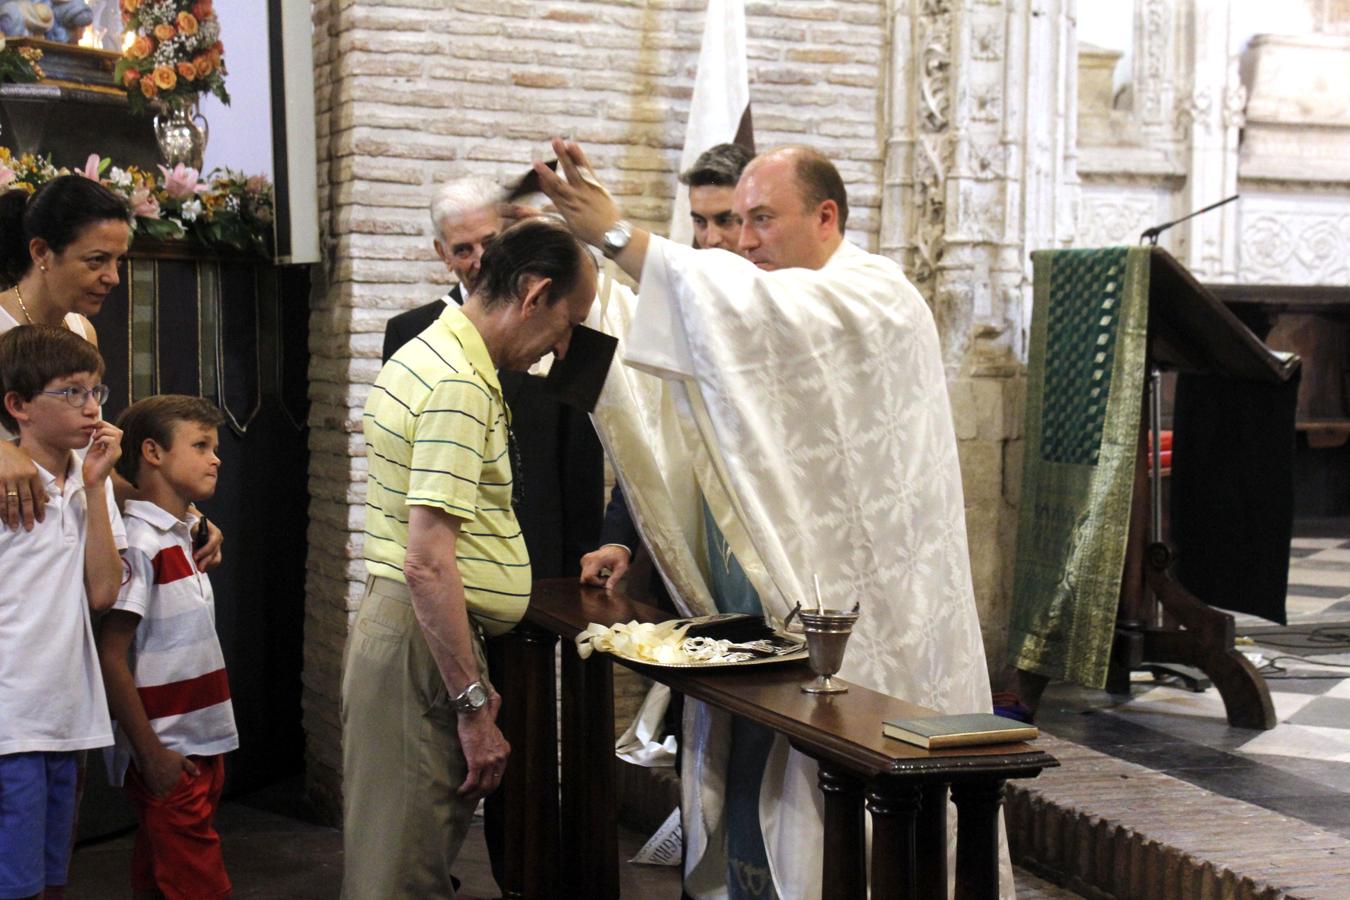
{"x": 55, "y": 20}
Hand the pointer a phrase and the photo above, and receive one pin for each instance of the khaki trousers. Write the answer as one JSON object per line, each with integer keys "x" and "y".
{"x": 403, "y": 823}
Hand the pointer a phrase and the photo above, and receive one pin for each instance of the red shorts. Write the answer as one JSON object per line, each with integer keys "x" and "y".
{"x": 177, "y": 849}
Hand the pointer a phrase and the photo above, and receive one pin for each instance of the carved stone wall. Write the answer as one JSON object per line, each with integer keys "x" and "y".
{"x": 979, "y": 171}
{"x": 1294, "y": 238}
{"x": 1210, "y": 114}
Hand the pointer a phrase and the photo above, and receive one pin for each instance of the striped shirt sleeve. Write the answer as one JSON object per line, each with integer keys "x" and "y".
{"x": 448, "y": 443}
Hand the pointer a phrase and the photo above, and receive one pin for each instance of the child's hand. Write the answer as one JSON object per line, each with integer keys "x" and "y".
{"x": 162, "y": 771}
{"x": 209, "y": 554}
{"x": 104, "y": 450}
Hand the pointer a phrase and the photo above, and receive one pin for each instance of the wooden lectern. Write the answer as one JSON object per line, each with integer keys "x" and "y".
{"x": 1159, "y": 621}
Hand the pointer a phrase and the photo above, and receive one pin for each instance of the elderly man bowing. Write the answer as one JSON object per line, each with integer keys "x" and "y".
{"x": 811, "y": 407}
{"x": 446, "y": 564}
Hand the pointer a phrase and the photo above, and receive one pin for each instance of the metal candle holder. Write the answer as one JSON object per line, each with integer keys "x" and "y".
{"x": 827, "y": 632}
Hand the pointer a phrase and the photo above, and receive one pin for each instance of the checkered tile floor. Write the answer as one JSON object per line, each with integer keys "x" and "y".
{"x": 1319, "y": 582}
{"x": 1301, "y": 767}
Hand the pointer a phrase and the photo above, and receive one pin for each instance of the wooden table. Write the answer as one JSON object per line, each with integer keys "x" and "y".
{"x": 570, "y": 850}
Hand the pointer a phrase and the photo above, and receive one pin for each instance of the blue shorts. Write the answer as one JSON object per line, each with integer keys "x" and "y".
{"x": 37, "y": 813}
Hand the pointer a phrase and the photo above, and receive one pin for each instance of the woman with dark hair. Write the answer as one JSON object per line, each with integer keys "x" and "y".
{"x": 61, "y": 249}
{"x": 59, "y": 252}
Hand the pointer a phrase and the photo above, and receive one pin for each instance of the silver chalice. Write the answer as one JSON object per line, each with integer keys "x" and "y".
{"x": 827, "y": 632}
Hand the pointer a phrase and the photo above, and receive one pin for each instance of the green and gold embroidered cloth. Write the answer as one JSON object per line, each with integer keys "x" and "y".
{"x": 1085, "y": 378}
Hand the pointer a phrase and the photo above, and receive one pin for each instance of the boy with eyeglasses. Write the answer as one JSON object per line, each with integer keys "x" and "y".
{"x": 52, "y": 704}
{"x": 162, "y": 662}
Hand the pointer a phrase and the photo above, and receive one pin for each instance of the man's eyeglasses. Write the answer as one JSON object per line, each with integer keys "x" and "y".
{"x": 76, "y": 395}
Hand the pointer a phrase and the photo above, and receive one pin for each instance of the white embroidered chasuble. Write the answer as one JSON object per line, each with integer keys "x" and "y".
{"x": 810, "y": 409}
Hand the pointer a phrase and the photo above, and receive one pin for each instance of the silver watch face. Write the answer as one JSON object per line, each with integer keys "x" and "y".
{"x": 617, "y": 237}
{"x": 474, "y": 696}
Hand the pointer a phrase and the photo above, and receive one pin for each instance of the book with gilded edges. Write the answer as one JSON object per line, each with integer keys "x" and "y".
{"x": 970, "y": 730}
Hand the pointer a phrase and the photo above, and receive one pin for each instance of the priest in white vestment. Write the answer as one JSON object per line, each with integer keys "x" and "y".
{"x": 802, "y": 408}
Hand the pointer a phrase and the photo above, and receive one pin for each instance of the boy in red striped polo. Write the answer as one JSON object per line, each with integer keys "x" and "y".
{"x": 162, "y": 665}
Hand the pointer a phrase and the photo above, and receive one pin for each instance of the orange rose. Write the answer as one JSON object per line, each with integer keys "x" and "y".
{"x": 202, "y": 10}
{"x": 130, "y": 6}
{"x": 187, "y": 70}
{"x": 203, "y": 65}
{"x": 141, "y": 47}
{"x": 164, "y": 78}
{"x": 148, "y": 88}
{"x": 130, "y": 77}
{"x": 164, "y": 32}
{"x": 186, "y": 23}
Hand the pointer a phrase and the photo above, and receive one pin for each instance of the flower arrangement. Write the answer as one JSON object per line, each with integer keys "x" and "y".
{"x": 175, "y": 54}
{"x": 19, "y": 64}
{"x": 230, "y": 209}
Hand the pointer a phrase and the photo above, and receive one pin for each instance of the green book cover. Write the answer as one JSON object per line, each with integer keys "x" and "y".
{"x": 969, "y": 730}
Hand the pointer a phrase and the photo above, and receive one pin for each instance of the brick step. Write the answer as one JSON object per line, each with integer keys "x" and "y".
{"x": 1104, "y": 827}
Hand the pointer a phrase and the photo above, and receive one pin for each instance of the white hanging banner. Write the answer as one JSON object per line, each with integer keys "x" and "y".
{"x": 721, "y": 96}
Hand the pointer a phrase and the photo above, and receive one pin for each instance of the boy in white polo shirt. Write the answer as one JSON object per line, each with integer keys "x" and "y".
{"x": 52, "y": 704}
{"x": 162, "y": 662}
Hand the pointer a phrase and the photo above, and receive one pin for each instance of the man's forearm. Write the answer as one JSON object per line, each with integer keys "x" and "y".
{"x": 634, "y": 255}
{"x": 438, "y": 603}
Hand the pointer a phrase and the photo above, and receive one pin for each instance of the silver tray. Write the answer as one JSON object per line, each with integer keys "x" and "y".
{"x": 791, "y": 656}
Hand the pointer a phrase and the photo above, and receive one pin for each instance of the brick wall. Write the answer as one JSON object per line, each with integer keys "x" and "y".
{"x": 411, "y": 92}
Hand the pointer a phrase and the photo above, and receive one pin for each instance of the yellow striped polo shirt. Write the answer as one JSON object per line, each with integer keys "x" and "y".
{"x": 436, "y": 435}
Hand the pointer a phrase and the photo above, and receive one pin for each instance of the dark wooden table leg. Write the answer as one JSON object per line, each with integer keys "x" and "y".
{"x": 528, "y": 720}
{"x": 977, "y": 806}
{"x": 590, "y": 841}
{"x": 931, "y": 842}
{"x": 894, "y": 806}
{"x": 844, "y": 871}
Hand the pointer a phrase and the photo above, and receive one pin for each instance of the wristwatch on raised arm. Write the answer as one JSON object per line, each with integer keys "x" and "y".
{"x": 616, "y": 238}
{"x": 471, "y": 699}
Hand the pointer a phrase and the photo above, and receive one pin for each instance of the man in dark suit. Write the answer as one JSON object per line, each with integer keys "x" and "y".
{"x": 712, "y": 185}
{"x": 557, "y": 459}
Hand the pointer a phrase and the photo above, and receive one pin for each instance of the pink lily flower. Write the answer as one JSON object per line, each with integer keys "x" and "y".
{"x": 6, "y": 175}
{"x": 144, "y": 204}
{"x": 182, "y": 183}
{"x": 90, "y": 169}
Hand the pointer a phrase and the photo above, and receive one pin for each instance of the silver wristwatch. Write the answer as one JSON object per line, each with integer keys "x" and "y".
{"x": 472, "y": 698}
{"x": 616, "y": 238}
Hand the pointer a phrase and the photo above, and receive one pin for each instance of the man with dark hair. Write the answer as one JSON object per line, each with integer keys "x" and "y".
{"x": 712, "y": 184}
{"x": 559, "y": 454}
{"x": 447, "y": 565}
{"x": 560, "y": 482}
{"x": 813, "y": 445}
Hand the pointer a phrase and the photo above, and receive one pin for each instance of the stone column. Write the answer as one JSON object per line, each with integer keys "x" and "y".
{"x": 980, "y": 170}
{"x": 1210, "y": 117}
